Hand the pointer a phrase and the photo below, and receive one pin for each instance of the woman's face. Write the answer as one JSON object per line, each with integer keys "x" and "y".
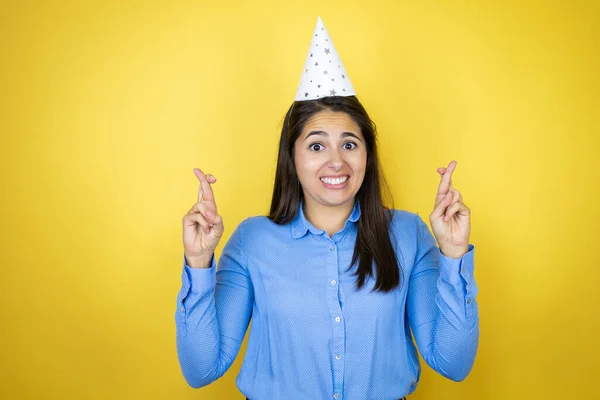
{"x": 330, "y": 158}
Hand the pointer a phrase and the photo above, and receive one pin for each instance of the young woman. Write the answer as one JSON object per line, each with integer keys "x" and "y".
{"x": 333, "y": 281}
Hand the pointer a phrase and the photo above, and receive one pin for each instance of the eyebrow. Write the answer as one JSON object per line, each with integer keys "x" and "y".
{"x": 323, "y": 133}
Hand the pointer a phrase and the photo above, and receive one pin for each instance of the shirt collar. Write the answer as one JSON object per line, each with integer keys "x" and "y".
{"x": 300, "y": 225}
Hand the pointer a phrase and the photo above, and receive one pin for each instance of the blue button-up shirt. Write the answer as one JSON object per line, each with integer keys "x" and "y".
{"x": 313, "y": 335}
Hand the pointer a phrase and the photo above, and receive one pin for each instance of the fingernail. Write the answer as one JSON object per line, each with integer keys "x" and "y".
{"x": 210, "y": 214}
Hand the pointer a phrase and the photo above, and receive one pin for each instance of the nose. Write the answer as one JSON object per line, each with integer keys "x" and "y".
{"x": 336, "y": 161}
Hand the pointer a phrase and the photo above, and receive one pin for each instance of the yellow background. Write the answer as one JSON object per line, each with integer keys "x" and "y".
{"x": 106, "y": 108}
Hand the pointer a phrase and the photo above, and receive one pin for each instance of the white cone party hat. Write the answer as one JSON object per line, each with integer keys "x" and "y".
{"x": 323, "y": 74}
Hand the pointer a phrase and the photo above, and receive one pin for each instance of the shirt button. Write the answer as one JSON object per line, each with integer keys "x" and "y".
{"x": 462, "y": 270}
{"x": 337, "y": 319}
{"x": 182, "y": 309}
{"x": 333, "y": 282}
{"x": 335, "y": 396}
{"x": 468, "y": 301}
{"x": 337, "y": 357}
{"x": 331, "y": 248}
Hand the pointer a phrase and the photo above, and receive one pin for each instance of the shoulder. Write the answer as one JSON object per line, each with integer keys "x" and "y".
{"x": 258, "y": 225}
{"x": 403, "y": 217}
{"x": 257, "y": 233}
{"x": 256, "y": 222}
{"x": 405, "y": 223}
{"x": 248, "y": 229}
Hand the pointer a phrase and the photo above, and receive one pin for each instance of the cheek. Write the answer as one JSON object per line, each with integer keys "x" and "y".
{"x": 304, "y": 167}
{"x": 306, "y": 163}
{"x": 359, "y": 162}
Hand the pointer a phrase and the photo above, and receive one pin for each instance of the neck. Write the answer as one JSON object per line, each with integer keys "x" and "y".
{"x": 329, "y": 219}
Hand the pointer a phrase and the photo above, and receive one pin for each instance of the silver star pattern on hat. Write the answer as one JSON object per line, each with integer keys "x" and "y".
{"x": 323, "y": 73}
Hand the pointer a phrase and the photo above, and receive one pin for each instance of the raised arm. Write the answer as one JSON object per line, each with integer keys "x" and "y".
{"x": 442, "y": 308}
{"x": 214, "y": 307}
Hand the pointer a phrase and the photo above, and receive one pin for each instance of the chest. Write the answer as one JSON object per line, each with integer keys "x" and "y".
{"x": 312, "y": 279}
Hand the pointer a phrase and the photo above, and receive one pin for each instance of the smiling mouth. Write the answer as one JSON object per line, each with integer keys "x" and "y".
{"x": 335, "y": 181}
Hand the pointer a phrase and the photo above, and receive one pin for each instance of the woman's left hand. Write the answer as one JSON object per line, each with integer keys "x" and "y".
{"x": 450, "y": 219}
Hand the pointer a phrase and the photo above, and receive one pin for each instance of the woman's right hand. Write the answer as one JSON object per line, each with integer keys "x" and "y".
{"x": 202, "y": 225}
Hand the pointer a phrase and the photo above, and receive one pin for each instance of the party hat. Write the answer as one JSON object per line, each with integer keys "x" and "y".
{"x": 323, "y": 74}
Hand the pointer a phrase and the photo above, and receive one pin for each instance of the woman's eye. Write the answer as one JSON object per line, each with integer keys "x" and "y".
{"x": 349, "y": 145}
{"x": 316, "y": 147}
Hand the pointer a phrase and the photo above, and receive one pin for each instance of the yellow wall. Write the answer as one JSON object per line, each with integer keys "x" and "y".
{"x": 106, "y": 108}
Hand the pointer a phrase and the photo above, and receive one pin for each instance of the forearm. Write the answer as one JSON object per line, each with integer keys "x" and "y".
{"x": 455, "y": 335}
{"x": 446, "y": 326}
{"x": 213, "y": 313}
{"x": 198, "y": 344}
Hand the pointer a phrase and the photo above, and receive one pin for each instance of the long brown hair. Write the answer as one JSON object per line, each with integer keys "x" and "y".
{"x": 373, "y": 243}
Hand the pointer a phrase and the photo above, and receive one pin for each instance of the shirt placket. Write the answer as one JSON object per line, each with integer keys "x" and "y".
{"x": 337, "y": 319}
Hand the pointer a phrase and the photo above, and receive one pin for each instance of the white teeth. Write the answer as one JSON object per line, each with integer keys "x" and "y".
{"x": 335, "y": 181}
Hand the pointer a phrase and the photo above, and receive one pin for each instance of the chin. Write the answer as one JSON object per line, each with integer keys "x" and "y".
{"x": 336, "y": 201}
